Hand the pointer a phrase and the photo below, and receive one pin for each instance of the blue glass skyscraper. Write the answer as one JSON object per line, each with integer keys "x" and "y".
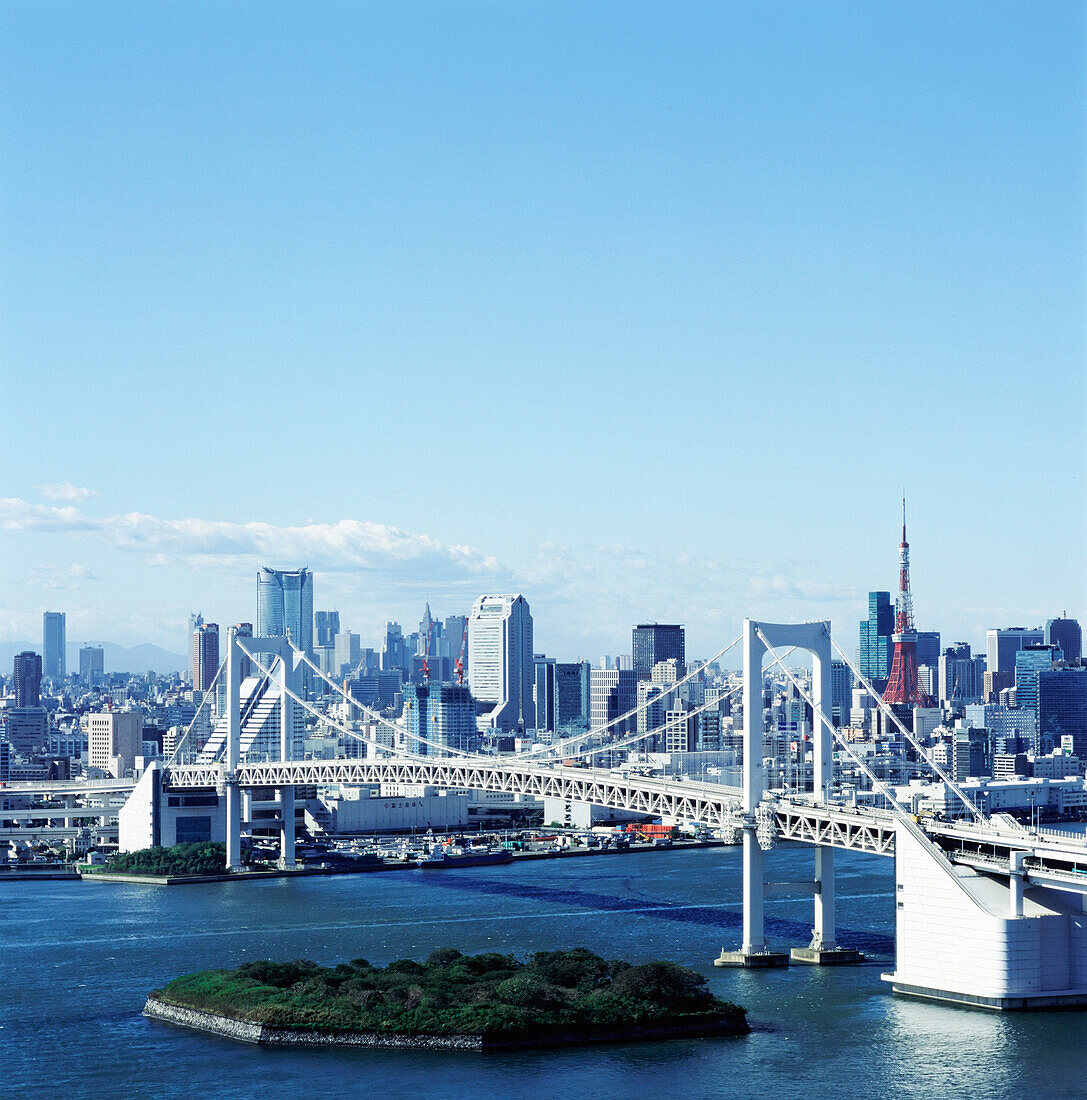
{"x": 876, "y": 643}
{"x": 285, "y": 605}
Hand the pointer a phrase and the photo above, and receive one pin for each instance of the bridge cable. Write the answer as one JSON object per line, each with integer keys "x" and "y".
{"x": 968, "y": 802}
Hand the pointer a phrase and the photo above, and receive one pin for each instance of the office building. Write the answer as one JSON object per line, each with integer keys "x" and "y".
{"x": 196, "y": 619}
{"x": 92, "y": 663}
{"x": 1062, "y": 708}
{"x": 656, "y": 642}
{"x": 285, "y": 605}
{"x": 928, "y": 647}
{"x": 205, "y": 655}
{"x": 1066, "y": 634}
{"x": 54, "y": 643}
{"x": 326, "y": 627}
{"x": 347, "y": 653}
{"x": 1002, "y": 645}
{"x": 877, "y": 640}
{"x": 394, "y": 649}
{"x": 453, "y": 719}
{"x": 114, "y": 740}
{"x": 613, "y": 692}
{"x": 961, "y": 676}
{"x": 1029, "y": 661}
{"x": 27, "y": 676}
{"x": 25, "y": 728}
{"x": 543, "y": 692}
{"x": 500, "y": 672}
{"x": 572, "y": 694}
{"x": 841, "y": 692}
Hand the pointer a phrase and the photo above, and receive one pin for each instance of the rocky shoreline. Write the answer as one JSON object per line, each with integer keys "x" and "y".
{"x": 247, "y": 1032}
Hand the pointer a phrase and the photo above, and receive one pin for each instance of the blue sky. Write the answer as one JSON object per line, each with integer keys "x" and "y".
{"x": 647, "y": 310}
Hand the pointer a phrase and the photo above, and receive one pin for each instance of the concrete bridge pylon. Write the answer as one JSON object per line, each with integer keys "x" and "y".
{"x": 823, "y": 949}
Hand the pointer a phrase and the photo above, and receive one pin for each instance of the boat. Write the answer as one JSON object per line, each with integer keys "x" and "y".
{"x": 440, "y": 858}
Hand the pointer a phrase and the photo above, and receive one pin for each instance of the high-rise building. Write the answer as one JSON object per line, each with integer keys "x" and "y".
{"x": 572, "y": 694}
{"x": 92, "y": 663}
{"x": 347, "y": 653}
{"x": 205, "y": 655}
{"x": 394, "y": 649}
{"x": 961, "y": 676}
{"x": 841, "y": 692}
{"x": 928, "y": 647}
{"x": 1066, "y": 633}
{"x": 500, "y": 669}
{"x": 1029, "y": 661}
{"x": 1062, "y": 708}
{"x": 543, "y": 692}
{"x": 877, "y": 639}
{"x": 54, "y": 642}
{"x": 285, "y": 605}
{"x": 613, "y": 692}
{"x": 1002, "y": 645}
{"x": 28, "y": 679}
{"x": 326, "y": 627}
{"x": 656, "y": 642}
{"x": 114, "y": 740}
{"x": 195, "y": 619}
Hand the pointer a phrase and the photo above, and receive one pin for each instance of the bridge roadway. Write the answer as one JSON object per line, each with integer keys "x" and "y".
{"x": 797, "y": 818}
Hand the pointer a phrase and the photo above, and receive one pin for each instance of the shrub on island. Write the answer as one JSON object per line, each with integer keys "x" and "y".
{"x": 181, "y": 860}
{"x": 568, "y": 992}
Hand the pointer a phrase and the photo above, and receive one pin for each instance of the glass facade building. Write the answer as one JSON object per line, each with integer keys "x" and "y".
{"x": 285, "y": 605}
{"x": 876, "y": 633}
{"x": 1066, "y": 633}
{"x": 656, "y": 642}
{"x": 28, "y": 679}
{"x": 54, "y": 642}
{"x": 572, "y": 694}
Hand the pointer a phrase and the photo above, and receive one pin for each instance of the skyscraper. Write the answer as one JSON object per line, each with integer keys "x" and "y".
{"x": 327, "y": 625}
{"x": 205, "y": 655}
{"x": 285, "y": 605}
{"x": 877, "y": 633}
{"x": 92, "y": 663}
{"x": 572, "y": 694}
{"x": 28, "y": 679}
{"x": 1066, "y": 633}
{"x": 1002, "y": 645}
{"x": 656, "y": 642}
{"x": 195, "y": 620}
{"x": 500, "y": 669}
{"x": 54, "y": 641}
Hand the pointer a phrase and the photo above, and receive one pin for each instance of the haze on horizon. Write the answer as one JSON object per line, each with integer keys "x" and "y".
{"x": 648, "y": 313}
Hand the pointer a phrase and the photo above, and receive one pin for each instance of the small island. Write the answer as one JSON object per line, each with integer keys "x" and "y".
{"x": 450, "y": 1001}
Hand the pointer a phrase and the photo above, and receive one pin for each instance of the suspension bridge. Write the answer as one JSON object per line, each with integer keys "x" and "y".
{"x": 987, "y": 913}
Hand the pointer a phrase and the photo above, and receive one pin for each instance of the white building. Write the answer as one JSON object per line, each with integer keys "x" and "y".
{"x": 114, "y": 740}
{"x": 500, "y": 664}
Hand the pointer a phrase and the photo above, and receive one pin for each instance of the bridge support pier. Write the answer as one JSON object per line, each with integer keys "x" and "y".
{"x": 233, "y": 825}
{"x": 823, "y": 949}
{"x": 286, "y": 829}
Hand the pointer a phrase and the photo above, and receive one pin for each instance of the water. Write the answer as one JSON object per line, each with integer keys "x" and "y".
{"x": 79, "y": 959}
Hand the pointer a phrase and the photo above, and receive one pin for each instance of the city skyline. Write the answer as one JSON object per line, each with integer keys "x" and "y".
{"x": 645, "y": 319}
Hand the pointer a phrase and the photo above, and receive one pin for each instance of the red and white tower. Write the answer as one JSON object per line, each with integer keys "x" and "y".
{"x": 904, "y": 685}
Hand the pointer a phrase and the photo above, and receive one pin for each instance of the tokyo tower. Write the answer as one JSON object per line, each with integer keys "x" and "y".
{"x": 904, "y": 685}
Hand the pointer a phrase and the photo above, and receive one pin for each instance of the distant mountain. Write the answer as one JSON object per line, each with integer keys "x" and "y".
{"x": 140, "y": 658}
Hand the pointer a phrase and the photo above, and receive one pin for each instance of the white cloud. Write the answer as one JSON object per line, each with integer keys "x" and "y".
{"x": 65, "y": 490}
{"x": 60, "y": 577}
{"x": 343, "y": 545}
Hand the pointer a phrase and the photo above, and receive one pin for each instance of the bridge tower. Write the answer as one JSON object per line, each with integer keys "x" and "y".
{"x": 823, "y": 949}
{"x": 286, "y": 673}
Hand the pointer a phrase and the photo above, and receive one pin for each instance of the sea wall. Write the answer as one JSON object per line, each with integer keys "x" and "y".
{"x": 271, "y": 1036}
{"x": 245, "y": 1032}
